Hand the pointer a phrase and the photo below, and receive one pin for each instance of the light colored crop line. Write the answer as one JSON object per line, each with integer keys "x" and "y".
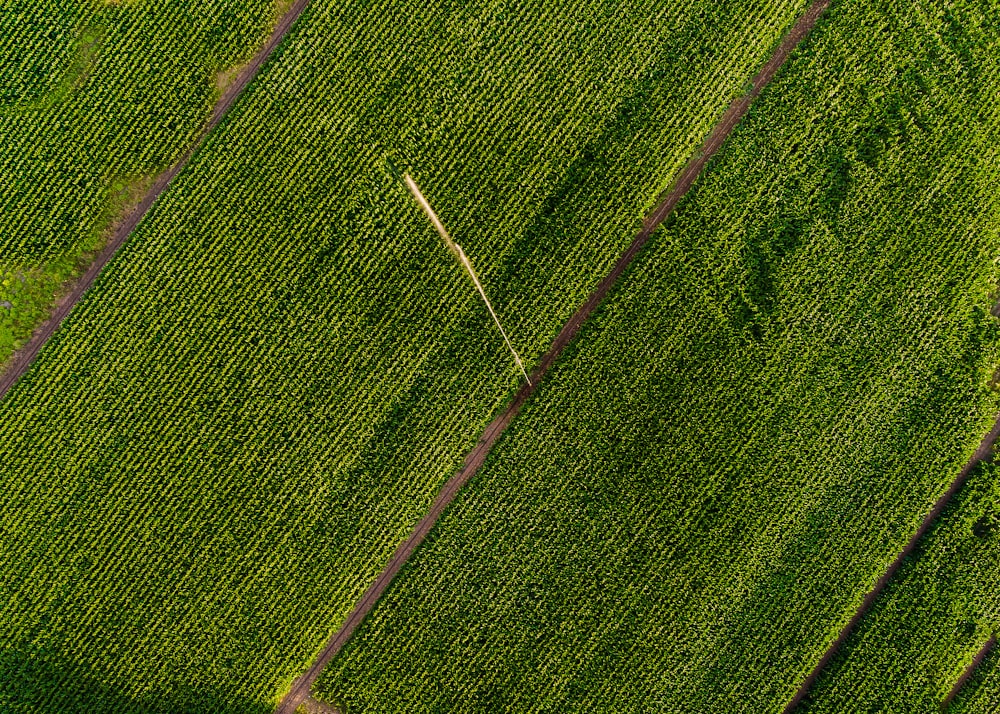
{"x": 302, "y": 686}
{"x": 23, "y": 358}
{"x": 969, "y": 671}
{"x": 456, "y": 249}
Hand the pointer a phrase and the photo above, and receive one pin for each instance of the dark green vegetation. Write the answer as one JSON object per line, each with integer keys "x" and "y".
{"x": 701, "y": 493}
{"x": 221, "y": 447}
{"x": 915, "y": 642}
{"x": 95, "y": 98}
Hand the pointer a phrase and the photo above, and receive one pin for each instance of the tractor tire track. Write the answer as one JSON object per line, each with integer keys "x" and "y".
{"x": 23, "y": 358}
{"x": 301, "y": 688}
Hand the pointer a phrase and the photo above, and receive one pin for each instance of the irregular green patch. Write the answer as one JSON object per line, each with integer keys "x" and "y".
{"x": 28, "y": 292}
{"x": 90, "y": 95}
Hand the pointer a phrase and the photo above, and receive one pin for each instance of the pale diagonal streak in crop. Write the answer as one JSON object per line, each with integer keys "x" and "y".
{"x": 464, "y": 260}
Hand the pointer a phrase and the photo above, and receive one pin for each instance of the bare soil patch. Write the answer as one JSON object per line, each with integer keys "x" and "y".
{"x": 311, "y": 705}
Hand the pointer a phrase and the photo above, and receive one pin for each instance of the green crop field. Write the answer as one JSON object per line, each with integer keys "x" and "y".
{"x": 95, "y": 98}
{"x": 260, "y": 397}
{"x": 223, "y": 444}
{"x": 702, "y": 492}
{"x": 914, "y": 644}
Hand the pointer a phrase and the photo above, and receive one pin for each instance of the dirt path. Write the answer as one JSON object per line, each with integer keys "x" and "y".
{"x": 302, "y": 687}
{"x": 315, "y": 706}
{"x": 22, "y": 359}
{"x": 969, "y": 671}
{"x": 983, "y": 453}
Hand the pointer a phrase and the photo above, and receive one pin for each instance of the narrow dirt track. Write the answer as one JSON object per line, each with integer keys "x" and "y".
{"x": 302, "y": 687}
{"x": 22, "y": 359}
{"x": 969, "y": 671}
{"x": 983, "y": 454}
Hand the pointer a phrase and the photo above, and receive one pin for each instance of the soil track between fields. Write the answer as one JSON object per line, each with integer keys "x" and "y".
{"x": 969, "y": 671}
{"x": 302, "y": 687}
{"x": 982, "y": 454}
{"x": 315, "y": 706}
{"x": 23, "y": 358}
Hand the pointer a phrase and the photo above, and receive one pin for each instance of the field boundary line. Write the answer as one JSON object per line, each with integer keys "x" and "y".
{"x": 24, "y": 357}
{"x": 969, "y": 671}
{"x": 302, "y": 686}
{"x": 983, "y": 454}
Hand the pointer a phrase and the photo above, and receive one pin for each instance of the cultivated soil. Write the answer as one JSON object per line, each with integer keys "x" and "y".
{"x": 311, "y": 705}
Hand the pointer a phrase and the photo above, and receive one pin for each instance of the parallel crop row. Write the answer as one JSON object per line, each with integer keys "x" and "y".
{"x": 701, "y": 493}
{"x": 913, "y": 646}
{"x": 258, "y": 399}
{"x": 94, "y": 97}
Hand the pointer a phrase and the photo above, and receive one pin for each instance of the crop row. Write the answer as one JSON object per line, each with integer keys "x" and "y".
{"x": 259, "y": 397}
{"x": 701, "y": 493}
{"x": 94, "y": 97}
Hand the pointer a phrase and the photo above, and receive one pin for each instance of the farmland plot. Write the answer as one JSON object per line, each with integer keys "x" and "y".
{"x": 95, "y": 98}
{"x": 221, "y": 447}
{"x": 704, "y": 489}
{"x": 944, "y": 604}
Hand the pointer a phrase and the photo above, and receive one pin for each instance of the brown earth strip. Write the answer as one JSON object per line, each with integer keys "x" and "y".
{"x": 969, "y": 671}
{"x": 982, "y": 455}
{"x": 314, "y": 706}
{"x": 474, "y": 460}
{"x": 22, "y": 359}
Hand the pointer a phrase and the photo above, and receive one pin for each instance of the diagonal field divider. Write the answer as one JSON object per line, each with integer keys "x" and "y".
{"x": 24, "y": 357}
{"x": 982, "y": 455}
{"x": 301, "y": 688}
